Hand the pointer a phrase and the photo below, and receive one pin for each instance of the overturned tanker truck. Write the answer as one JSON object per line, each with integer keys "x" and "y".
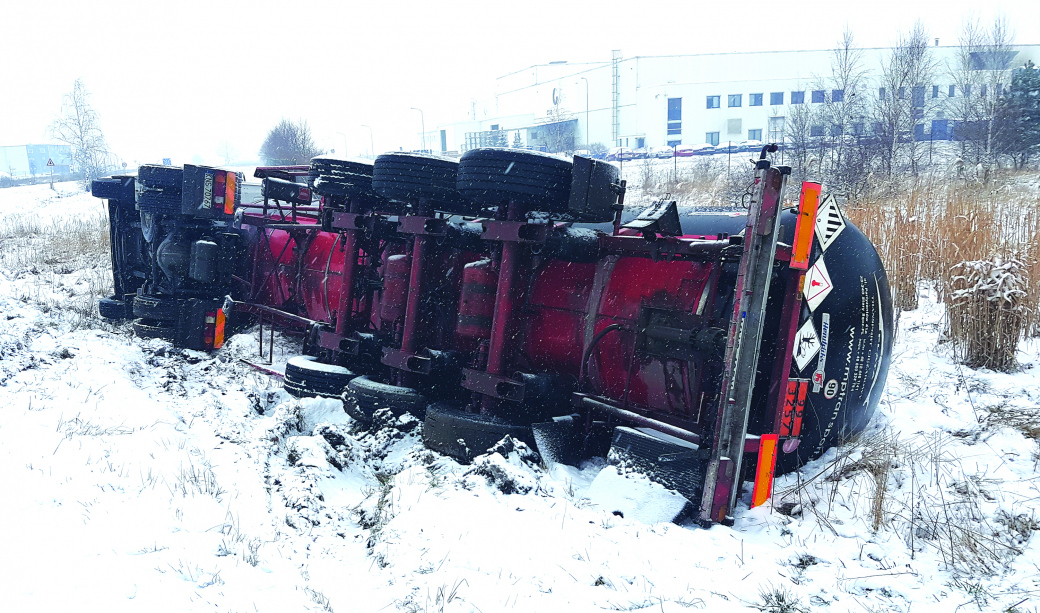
{"x": 511, "y": 293}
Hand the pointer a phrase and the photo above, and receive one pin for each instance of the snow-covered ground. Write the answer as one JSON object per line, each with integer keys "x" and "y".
{"x": 139, "y": 477}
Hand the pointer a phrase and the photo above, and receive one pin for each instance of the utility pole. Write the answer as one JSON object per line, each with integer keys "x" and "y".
{"x": 371, "y": 142}
{"x": 344, "y": 143}
{"x": 586, "y": 111}
{"x": 422, "y": 117}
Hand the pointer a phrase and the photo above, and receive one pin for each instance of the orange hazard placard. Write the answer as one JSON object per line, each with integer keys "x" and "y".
{"x": 794, "y": 407}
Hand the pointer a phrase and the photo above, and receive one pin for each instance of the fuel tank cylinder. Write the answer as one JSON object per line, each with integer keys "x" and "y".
{"x": 477, "y": 300}
{"x": 395, "y": 287}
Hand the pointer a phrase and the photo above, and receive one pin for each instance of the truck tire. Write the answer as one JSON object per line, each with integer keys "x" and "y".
{"x": 149, "y": 328}
{"x": 156, "y": 308}
{"x": 112, "y": 308}
{"x": 341, "y": 178}
{"x": 363, "y": 397}
{"x": 305, "y": 376}
{"x": 463, "y": 435}
{"x": 492, "y": 176}
{"x": 409, "y": 177}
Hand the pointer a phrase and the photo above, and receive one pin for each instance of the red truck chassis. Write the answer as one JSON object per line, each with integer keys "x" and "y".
{"x": 510, "y": 293}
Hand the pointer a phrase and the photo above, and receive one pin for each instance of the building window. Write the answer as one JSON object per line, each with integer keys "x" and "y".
{"x": 983, "y": 92}
{"x": 776, "y": 98}
{"x": 714, "y": 102}
{"x": 902, "y": 93}
{"x": 816, "y": 131}
{"x": 754, "y": 134}
{"x": 776, "y": 129}
{"x": 881, "y": 93}
{"x": 736, "y": 99}
{"x": 935, "y": 91}
{"x": 917, "y": 96}
{"x": 712, "y": 138}
{"x": 754, "y": 100}
{"x": 837, "y": 95}
{"x": 818, "y": 96}
{"x": 966, "y": 90}
{"x": 797, "y": 97}
{"x": 857, "y": 128}
{"x": 674, "y": 116}
{"x": 953, "y": 90}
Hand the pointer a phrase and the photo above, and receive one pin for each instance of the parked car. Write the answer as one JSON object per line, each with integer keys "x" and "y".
{"x": 754, "y": 146}
{"x": 728, "y": 147}
{"x": 639, "y": 154}
{"x": 702, "y": 149}
{"x": 663, "y": 152}
{"x": 5, "y": 180}
{"x": 615, "y": 154}
{"x": 583, "y": 152}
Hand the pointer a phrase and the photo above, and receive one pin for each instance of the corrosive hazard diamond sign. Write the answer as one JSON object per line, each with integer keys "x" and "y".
{"x": 806, "y": 344}
{"x": 829, "y": 222}
{"x": 817, "y": 284}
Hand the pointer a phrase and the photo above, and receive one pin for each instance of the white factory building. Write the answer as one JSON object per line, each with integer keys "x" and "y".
{"x": 677, "y": 99}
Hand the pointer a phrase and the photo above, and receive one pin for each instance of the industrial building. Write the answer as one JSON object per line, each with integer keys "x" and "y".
{"x": 684, "y": 99}
{"x": 28, "y": 161}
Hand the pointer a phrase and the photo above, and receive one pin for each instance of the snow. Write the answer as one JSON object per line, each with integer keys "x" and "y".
{"x": 142, "y": 477}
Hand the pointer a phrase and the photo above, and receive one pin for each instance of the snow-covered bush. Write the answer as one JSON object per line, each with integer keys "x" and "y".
{"x": 986, "y": 311}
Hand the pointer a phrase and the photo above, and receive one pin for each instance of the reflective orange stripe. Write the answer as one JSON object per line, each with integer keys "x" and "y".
{"x": 766, "y": 465}
{"x": 229, "y": 198}
{"x": 218, "y": 336}
{"x": 803, "y": 232}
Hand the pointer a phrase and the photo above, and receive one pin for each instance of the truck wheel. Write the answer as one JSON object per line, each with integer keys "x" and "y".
{"x": 463, "y": 435}
{"x": 343, "y": 178}
{"x": 363, "y": 397}
{"x": 492, "y": 176}
{"x": 112, "y": 308}
{"x": 305, "y": 376}
{"x": 149, "y": 328}
{"x": 408, "y": 177}
{"x": 154, "y": 307}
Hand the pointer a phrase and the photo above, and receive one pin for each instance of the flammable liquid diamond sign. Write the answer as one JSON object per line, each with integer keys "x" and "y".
{"x": 817, "y": 284}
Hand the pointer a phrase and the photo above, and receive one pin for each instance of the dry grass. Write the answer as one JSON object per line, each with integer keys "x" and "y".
{"x": 932, "y": 229}
{"x": 945, "y": 505}
{"x": 62, "y": 266}
{"x": 708, "y": 182}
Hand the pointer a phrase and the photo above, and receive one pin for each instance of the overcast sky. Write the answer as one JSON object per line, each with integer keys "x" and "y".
{"x": 175, "y": 79}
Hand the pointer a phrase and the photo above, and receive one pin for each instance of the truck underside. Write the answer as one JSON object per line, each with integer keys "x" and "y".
{"x": 511, "y": 293}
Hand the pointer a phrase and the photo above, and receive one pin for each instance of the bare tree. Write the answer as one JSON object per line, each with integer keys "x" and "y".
{"x": 798, "y": 137}
{"x": 226, "y": 151}
{"x": 844, "y": 112}
{"x": 559, "y": 126}
{"x": 902, "y": 101}
{"x": 289, "y": 143}
{"x": 78, "y": 126}
{"x": 981, "y": 70}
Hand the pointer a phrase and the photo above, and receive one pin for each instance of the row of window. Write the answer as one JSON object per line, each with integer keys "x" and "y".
{"x": 775, "y": 98}
{"x": 918, "y": 93}
{"x": 819, "y": 96}
{"x": 712, "y": 138}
